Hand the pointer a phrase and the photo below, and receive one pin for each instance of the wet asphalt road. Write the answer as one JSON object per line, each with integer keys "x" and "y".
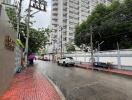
{"x": 81, "y": 84}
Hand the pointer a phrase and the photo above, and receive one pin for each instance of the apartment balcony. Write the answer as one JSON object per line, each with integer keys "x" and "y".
{"x": 72, "y": 26}
{"x": 73, "y": 5}
{"x": 74, "y": 11}
{"x": 54, "y": 12}
{"x": 54, "y": 16}
{"x": 74, "y": 17}
{"x": 55, "y": 2}
{"x": 71, "y": 34}
{"x": 54, "y": 22}
{"x": 74, "y": 2}
{"x": 73, "y": 22}
{"x": 55, "y": 7}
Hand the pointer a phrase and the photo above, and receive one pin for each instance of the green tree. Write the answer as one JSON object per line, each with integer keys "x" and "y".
{"x": 37, "y": 38}
{"x": 70, "y": 48}
{"x": 111, "y": 24}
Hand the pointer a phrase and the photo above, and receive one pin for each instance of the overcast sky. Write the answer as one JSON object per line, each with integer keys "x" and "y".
{"x": 42, "y": 18}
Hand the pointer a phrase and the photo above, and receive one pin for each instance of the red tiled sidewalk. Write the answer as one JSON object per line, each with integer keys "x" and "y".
{"x": 116, "y": 71}
{"x": 30, "y": 85}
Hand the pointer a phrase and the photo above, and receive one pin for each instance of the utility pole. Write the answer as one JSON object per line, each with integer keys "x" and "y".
{"x": 91, "y": 42}
{"x": 118, "y": 53}
{"x": 19, "y": 18}
{"x": 61, "y": 41}
{"x": 98, "y": 50}
{"x": 36, "y": 4}
{"x": 27, "y": 38}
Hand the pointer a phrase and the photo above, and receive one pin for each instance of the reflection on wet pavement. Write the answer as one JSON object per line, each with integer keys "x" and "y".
{"x": 81, "y": 84}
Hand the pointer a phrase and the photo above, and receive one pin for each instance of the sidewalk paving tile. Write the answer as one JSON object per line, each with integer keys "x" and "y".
{"x": 30, "y": 84}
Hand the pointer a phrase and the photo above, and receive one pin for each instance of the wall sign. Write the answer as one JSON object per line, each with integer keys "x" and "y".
{"x": 9, "y": 43}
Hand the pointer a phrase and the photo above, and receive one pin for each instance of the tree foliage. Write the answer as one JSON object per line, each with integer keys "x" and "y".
{"x": 110, "y": 24}
{"x": 37, "y": 38}
{"x": 70, "y": 48}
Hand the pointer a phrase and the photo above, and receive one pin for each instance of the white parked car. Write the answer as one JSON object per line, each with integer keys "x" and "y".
{"x": 66, "y": 61}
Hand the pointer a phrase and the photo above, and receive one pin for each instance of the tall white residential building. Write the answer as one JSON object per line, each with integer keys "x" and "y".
{"x": 66, "y": 14}
{"x": 93, "y": 3}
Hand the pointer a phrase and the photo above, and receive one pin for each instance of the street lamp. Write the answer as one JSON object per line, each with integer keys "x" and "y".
{"x": 19, "y": 18}
{"x": 99, "y": 45}
{"x": 99, "y": 48}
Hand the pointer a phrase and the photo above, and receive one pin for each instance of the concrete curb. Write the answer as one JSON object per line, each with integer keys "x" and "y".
{"x": 56, "y": 88}
{"x": 120, "y": 74}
